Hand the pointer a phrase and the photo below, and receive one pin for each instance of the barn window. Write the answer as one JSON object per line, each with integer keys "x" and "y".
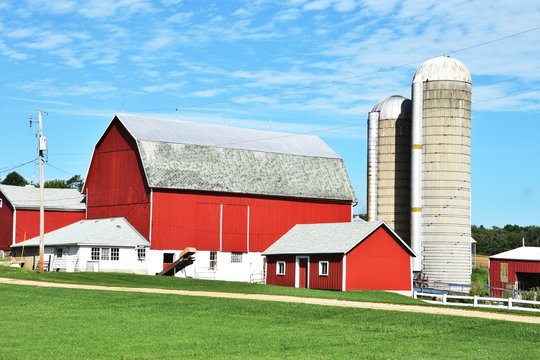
{"x": 95, "y": 254}
{"x": 105, "y": 252}
{"x": 0, "y": 203}
{"x": 141, "y": 254}
{"x": 115, "y": 254}
{"x": 59, "y": 252}
{"x": 236, "y": 257}
{"x": 280, "y": 268}
{"x": 213, "y": 260}
{"x": 323, "y": 268}
{"x": 504, "y": 272}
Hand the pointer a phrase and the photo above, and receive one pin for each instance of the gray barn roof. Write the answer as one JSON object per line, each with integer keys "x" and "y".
{"x": 204, "y": 157}
{"x": 331, "y": 238}
{"x": 27, "y": 197}
{"x": 116, "y": 232}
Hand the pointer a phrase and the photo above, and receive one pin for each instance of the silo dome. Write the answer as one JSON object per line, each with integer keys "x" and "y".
{"x": 393, "y": 107}
{"x": 442, "y": 68}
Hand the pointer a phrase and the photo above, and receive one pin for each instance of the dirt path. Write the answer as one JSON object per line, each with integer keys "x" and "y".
{"x": 291, "y": 299}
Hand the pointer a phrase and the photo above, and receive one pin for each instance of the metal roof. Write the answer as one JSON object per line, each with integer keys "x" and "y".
{"x": 116, "y": 232}
{"x": 331, "y": 238}
{"x": 393, "y": 107}
{"x": 27, "y": 197}
{"x": 528, "y": 253}
{"x": 203, "y": 157}
{"x": 442, "y": 68}
{"x": 183, "y": 132}
{"x": 193, "y": 167}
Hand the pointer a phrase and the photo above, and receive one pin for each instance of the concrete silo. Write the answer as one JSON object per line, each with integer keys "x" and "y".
{"x": 441, "y": 170}
{"x": 389, "y": 163}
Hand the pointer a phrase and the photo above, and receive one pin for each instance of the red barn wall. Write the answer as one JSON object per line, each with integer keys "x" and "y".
{"x": 378, "y": 263}
{"x": 514, "y": 266}
{"x": 282, "y": 280}
{"x": 334, "y": 280}
{"x": 115, "y": 185}
{"x": 27, "y": 224}
{"x": 6, "y": 224}
{"x": 194, "y": 219}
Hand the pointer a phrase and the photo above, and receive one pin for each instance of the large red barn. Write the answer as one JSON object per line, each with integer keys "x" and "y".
{"x": 341, "y": 256}
{"x": 228, "y": 192}
{"x": 19, "y": 212}
{"x": 517, "y": 269}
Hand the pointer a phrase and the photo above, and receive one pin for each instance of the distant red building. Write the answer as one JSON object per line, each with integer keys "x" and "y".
{"x": 342, "y": 256}
{"x": 226, "y": 191}
{"x": 19, "y": 212}
{"x": 517, "y": 269}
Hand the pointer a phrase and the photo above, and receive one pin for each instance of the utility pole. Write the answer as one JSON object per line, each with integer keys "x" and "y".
{"x": 42, "y": 142}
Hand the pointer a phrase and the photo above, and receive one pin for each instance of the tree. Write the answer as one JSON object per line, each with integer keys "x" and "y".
{"x": 14, "y": 178}
{"x": 75, "y": 182}
{"x": 56, "y": 184}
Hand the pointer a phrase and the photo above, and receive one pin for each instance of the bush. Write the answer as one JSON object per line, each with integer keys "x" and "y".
{"x": 478, "y": 289}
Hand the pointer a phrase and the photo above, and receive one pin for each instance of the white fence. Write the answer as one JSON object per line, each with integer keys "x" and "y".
{"x": 478, "y": 301}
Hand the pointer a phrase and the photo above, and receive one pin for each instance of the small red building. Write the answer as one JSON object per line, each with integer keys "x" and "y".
{"x": 19, "y": 212}
{"x": 517, "y": 269}
{"x": 228, "y": 192}
{"x": 341, "y": 256}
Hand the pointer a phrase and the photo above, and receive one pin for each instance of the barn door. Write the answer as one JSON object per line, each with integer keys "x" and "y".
{"x": 302, "y": 272}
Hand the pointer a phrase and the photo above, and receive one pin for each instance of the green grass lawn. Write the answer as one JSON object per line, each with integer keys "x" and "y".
{"x": 130, "y": 280}
{"x": 46, "y": 323}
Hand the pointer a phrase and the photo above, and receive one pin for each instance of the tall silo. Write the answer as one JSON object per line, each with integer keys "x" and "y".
{"x": 441, "y": 170}
{"x": 389, "y": 143}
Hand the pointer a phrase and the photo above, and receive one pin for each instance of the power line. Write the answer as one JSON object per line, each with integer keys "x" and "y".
{"x": 18, "y": 166}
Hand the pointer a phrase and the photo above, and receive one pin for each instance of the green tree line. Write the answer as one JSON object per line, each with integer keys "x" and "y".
{"x": 498, "y": 239}
{"x": 75, "y": 182}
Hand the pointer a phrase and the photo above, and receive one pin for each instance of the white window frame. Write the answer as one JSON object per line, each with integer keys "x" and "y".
{"x": 141, "y": 254}
{"x": 278, "y": 268}
{"x": 212, "y": 260}
{"x": 105, "y": 254}
{"x": 59, "y": 252}
{"x": 236, "y": 257}
{"x": 115, "y": 254}
{"x": 321, "y": 267}
{"x": 1, "y": 202}
{"x": 95, "y": 254}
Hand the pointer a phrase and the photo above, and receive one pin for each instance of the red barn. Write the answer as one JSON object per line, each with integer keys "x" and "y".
{"x": 342, "y": 256}
{"x": 226, "y": 191}
{"x": 19, "y": 212}
{"x": 517, "y": 269}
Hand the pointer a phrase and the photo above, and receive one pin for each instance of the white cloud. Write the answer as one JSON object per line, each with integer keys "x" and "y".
{"x": 318, "y": 5}
{"x": 345, "y": 5}
{"x": 207, "y": 93}
{"x": 10, "y": 53}
{"x": 162, "y": 88}
{"x": 111, "y": 8}
{"x": 47, "y": 41}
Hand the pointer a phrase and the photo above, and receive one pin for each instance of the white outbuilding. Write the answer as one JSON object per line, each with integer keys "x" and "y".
{"x": 111, "y": 245}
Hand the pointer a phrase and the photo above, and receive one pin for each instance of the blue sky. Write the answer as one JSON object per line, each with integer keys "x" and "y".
{"x": 297, "y": 66}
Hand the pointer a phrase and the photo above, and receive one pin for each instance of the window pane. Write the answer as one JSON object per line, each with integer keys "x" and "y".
{"x": 323, "y": 268}
{"x": 115, "y": 254}
{"x": 141, "y": 254}
{"x": 213, "y": 260}
{"x": 95, "y": 254}
{"x": 105, "y": 253}
{"x": 236, "y": 257}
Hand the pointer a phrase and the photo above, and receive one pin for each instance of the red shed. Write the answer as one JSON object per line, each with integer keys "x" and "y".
{"x": 19, "y": 212}
{"x": 341, "y": 256}
{"x": 228, "y": 192}
{"x": 517, "y": 269}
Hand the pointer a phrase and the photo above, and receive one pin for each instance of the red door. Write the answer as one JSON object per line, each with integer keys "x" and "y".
{"x": 302, "y": 272}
